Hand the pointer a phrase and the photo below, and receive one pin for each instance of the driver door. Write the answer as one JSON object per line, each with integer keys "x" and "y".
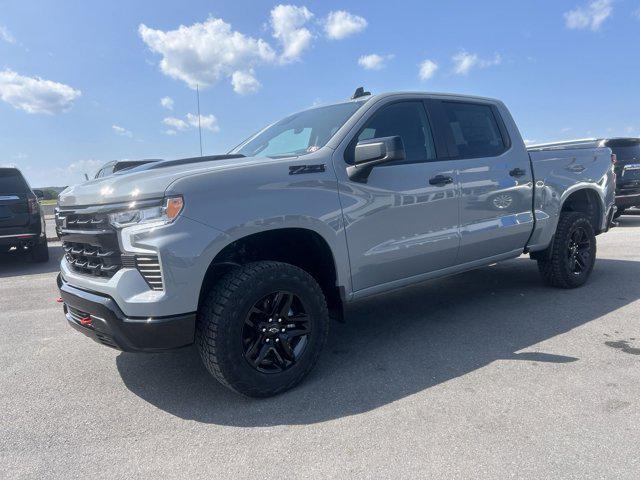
{"x": 403, "y": 221}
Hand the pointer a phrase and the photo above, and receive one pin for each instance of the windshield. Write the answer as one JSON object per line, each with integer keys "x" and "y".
{"x": 300, "y": 133}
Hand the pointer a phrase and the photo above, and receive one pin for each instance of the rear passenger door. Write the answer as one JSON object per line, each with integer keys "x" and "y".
{"x": 495, "y": 179}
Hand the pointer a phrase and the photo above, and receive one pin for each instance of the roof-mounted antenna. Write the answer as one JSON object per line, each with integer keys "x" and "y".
{"x": 360, "y": 93}
{"x": 199, "y": 127}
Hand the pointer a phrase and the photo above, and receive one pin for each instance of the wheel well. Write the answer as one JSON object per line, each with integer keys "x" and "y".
{"x": 585, "y": 201}
{"x": 297, "y": 246}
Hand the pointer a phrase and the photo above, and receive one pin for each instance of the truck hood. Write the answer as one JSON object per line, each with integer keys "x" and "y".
{"x": 148, "y": 181}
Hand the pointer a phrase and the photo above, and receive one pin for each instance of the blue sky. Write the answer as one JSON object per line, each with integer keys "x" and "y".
{"x": 81, "y": 82}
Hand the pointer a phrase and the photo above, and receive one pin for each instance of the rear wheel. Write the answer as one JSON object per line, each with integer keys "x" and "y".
{"x": 261, "y": 328}
{"x": 572, "y": 254}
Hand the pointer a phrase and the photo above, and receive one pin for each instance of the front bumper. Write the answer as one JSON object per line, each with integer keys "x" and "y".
{"x": 99, "y": 317}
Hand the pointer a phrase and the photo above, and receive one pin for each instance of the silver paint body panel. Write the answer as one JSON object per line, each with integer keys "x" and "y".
{"x": 392, "y": 231}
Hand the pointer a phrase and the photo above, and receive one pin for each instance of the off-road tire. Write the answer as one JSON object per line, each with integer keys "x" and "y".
{"x": 554, "y": 265}
{"x": 221, "y": 319}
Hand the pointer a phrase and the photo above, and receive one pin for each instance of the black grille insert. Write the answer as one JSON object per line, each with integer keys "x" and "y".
{"x": 91, "y": 247}
{"x": 91, "y": 259}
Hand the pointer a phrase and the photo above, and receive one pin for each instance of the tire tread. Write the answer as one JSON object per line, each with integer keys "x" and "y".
{"x": 220, "y": 300}
{"x": 551, "y": 265}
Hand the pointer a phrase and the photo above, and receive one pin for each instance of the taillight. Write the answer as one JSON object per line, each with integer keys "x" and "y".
{"x": 33, "y": 206}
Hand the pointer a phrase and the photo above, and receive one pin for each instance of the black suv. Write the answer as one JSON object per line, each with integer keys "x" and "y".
{"x": 627, "y": 168}
{"x": 22, "y": 226}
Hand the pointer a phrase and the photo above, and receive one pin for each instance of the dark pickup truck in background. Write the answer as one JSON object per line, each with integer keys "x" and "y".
{"x": 627, "y": 168}
{"x": 22, "y": 227}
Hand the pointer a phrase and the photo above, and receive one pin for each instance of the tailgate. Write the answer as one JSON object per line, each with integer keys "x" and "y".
{"x": 14, "y": 210}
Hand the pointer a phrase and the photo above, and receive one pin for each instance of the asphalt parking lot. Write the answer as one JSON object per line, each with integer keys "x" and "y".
{"x": 488, "y": 374}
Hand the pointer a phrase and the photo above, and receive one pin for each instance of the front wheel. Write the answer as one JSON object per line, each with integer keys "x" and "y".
{"x": 261, "y": 328}
{"x": 572, "y": 253}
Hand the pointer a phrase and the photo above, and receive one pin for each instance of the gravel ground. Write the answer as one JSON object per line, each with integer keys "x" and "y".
{"x": 487, "y": 374}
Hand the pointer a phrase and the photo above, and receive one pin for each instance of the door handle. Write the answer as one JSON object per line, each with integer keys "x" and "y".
{"x": 518, "y": 172}
{"x": 440, "y": 180}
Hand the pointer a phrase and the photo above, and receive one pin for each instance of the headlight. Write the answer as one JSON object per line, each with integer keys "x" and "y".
{"x": 161, "y": 214}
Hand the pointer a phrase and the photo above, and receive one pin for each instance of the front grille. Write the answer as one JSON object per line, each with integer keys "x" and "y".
{"x": 72, "y": 221}
{"x": 92, "y": 259}
{"x": 91, "y": 248}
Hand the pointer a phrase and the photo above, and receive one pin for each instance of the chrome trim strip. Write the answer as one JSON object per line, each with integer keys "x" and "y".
{"x": 9, "y": 197}
{"x": 19, "y": 235}
{"x": 110, "y": 207}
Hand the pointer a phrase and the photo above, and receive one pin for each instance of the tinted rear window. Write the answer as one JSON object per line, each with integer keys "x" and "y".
{"x": 475, "y": 129}
{"x": 11, "y": 181}
{"x": 627, "y": 153}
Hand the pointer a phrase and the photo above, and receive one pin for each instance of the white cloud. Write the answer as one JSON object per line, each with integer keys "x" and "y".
{"x": 529, "y": 142}
{"x": 374, "y": 61}
{"x": 5, "y": 35}
{"x": 464, "y": 62}
{"x": 207, "y": 122}
{"x": 244, "y": 82}
{"x": 203, "y": 53}
{"x": 287, "y": 23}
{"x": 167, "y": 102}
{"x": 590, "y": 16}
{"x": 176, "y": 124}
{"x": 206, "y": 52}
{"x": 340, "y": 24}
{"x": 427, "y": 69}
{"x": 80, "y": 167}
{"x": 36, "y": 95}
{"x": 121, "y": 131}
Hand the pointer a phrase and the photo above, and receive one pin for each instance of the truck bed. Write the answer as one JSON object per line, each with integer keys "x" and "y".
{"x": 562, "y": 168}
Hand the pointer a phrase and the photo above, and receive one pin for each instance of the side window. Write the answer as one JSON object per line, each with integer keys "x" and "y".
{"x": 409, "y": 121}
{"x": 474, "y": 129}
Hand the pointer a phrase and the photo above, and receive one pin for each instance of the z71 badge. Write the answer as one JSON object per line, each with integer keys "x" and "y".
{"x": 301, "y": 169}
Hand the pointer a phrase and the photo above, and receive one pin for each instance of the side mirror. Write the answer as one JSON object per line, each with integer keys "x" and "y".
{"x": 39, "y": 194}
{"x": 370, "y": 153}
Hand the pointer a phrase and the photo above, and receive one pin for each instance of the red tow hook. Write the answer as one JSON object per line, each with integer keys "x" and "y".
{"x": 59, "y": 300}
{"x": 85, "y": 321}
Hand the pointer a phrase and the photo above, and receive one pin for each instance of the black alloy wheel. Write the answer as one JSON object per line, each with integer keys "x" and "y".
{"x": 276, "y": 332}
{"x": 579, "y": 251}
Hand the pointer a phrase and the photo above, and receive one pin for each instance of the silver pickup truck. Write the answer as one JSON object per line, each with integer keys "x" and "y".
{"x": 249, "y": 254}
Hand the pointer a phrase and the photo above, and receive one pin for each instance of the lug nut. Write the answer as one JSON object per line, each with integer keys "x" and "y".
{"x": 270, "y": 320}
{"x": 264, "y": 329}
{"x": 277, "y": 339}
{"x": 283, "y": 330}
{"x": 268, "y": 340}
{"x": 279, "y": 320}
